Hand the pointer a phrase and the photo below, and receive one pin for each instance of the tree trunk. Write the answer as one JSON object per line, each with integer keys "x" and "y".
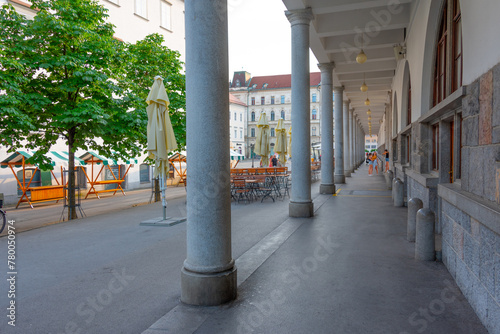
{"x": 71, "y": 176}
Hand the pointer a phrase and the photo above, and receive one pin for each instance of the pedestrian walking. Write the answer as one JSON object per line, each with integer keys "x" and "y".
{"x": 386, "y": 154}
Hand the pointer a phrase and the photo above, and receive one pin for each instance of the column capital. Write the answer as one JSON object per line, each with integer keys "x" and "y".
{"x": 299, "y": 16}
{"x": 326, "y": 67}
{"x": 346, "y": 104}
{"x": 338, "y": 89}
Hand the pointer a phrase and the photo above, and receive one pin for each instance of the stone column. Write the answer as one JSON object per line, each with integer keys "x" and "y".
{"x": 327, "y": 185}
{"x": 347, "y": 153}
{"x": 301, "y": 204}
{"x": 339, "y": 176}
{"x": 351, "y": 140}
{"x": 208, "y": 276}
{"x": 355, "y": 143}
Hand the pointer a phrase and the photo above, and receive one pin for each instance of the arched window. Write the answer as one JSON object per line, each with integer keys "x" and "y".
{"x": 272, "y": 115}
{"x": 282, "y": 114}
{"x": 457, "y": 46}
{"x": 253, "y": 116}
{"x": 272, "y": 132}
{"x": 408, "y": 111}
{"x": 445, "y": 55}
{"x": 314, "y": 114}
{"x": 252, "y": 132}
{"x": 314, "y": 98}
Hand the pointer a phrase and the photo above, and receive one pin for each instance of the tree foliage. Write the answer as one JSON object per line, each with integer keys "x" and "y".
{"x": 64, "y": 75}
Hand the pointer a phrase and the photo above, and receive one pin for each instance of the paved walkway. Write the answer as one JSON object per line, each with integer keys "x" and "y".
{"x": 348, "y": 269}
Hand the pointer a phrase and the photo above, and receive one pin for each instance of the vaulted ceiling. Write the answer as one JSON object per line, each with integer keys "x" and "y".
{"x": 341, "y": 28}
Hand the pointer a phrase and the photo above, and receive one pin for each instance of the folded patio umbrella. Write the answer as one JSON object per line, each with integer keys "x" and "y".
{"x": 161, "y": 138}
{"x": 281, "y": 142}
{"x": 262, "y": 145}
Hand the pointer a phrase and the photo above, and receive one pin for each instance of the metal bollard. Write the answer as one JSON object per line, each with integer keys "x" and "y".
{"x": 414, "y": 205}
{"x": 389, "y": 176}
{"x": 398, "y": 192}
{"x": 424, "y": 241}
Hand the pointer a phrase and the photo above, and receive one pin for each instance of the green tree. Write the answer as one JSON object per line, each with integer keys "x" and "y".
{"x": 64, "y": 75}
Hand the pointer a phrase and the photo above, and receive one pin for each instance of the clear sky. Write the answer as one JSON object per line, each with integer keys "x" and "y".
{"x": 260, "y": 38}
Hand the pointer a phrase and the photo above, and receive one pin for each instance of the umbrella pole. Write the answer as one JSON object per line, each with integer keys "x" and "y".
{"x": 163, "y": 197}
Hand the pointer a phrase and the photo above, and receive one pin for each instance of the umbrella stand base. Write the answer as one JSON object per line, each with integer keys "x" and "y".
{"x": 169, "y": 221}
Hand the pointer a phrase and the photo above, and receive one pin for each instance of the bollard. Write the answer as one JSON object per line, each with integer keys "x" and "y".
{"x": 414, "y": 205}
{"x": 398, "y": 192}
{"x": 424, "y": 241}
{"x": 389, "y": 176}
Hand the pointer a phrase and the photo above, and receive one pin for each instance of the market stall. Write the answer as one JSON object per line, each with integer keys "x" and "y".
{"x": 115, "y": 183}
{"x": 42, "y": 190}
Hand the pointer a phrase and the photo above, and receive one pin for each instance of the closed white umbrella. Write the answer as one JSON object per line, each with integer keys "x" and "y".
{"x": 281, "y": 142}
{"x": 161, "y": 138}
{"x": 262, "y": 145}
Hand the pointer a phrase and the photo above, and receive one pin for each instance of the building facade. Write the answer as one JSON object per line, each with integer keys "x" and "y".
{"x": 237, "y": 124}
{"x": 272, "y": 95}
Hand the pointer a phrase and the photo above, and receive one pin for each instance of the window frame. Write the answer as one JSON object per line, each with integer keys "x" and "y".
{"x": 141, "y": 180}
{"x": 262, "y": 100}
{"x": 145, "y": 5}
{"x": 162, "y": 4}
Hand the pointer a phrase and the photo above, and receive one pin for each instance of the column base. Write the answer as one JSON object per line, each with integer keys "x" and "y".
{"x": 339, "y": 179}
{"x": 347, "y": 173}
{"x": 327, "y": 188}
{"x": 301, "y": 210}
{"x": 208, "y": 289}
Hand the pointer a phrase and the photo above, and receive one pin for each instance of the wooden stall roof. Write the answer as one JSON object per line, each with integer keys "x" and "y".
{"x": 91, "y": 157}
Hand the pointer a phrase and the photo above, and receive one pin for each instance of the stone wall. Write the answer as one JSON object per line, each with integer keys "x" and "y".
{"x": 471, "y": 252}
{"x": 470, "y": 211}
{"x": 481, "y": 137}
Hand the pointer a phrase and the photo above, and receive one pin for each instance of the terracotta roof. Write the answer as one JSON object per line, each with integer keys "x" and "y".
{"x": 235, "y": 100}
{"x": 280, "y": 81}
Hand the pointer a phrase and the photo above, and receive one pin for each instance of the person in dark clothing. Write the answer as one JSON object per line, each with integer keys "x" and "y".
{"x": 274, "y": 161}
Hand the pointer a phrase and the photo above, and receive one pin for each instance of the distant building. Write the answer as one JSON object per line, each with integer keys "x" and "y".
{"x": 371, "y": 143}
{"x": 272, "y": 95}
{"x": 237, "y": 124}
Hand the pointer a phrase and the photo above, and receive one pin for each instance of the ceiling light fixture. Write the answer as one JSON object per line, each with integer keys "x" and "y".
{"x": 369, "y": 112}
{"x": 364, "y": 87}
{"x": 361, "y": 57}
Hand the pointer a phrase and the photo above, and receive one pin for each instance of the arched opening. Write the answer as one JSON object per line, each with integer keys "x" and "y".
{"x": 406, "y": 105}
{"x": 395, "y": 116}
